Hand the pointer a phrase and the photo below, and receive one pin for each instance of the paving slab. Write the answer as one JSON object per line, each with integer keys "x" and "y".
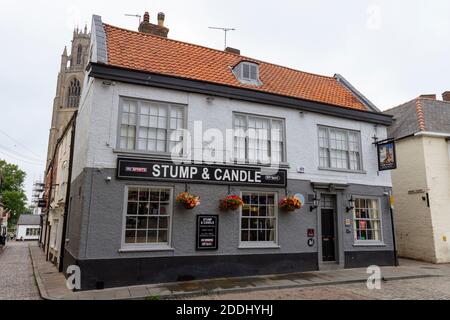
{"x": 52, "y": 284}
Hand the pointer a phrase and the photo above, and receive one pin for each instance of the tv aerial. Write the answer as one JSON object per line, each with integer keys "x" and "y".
{"x": 134, "y": 16}
{"x": 225, "y": 30}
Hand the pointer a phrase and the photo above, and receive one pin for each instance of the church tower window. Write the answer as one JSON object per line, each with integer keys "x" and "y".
{"x": 79, "y": 53}
{"x": 73, "y": 94}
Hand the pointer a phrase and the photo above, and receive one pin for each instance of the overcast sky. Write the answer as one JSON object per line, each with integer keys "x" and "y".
{"x": 392, "y": 51}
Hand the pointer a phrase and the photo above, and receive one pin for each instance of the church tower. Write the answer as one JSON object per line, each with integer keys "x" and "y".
{"x": 68, "y": 87}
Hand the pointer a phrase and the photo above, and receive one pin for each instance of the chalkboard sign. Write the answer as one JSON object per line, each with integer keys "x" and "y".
{"x": 207, "y": 232}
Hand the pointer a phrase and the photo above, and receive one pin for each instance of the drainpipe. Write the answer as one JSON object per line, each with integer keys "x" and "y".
{"x": 67, "y": 200}
{"x": 393, "y": 231}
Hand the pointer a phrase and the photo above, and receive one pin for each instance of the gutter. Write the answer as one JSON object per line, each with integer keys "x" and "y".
{"x": 432, "y": 134}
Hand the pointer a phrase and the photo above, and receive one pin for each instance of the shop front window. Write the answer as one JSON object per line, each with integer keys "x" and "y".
{"x": 259, "y": 219}
{"x": 148, "y": 215}
{"x": 367, "y": 220}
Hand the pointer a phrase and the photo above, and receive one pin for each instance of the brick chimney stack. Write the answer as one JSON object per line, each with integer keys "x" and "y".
{"x": 428, "y": 96}
{"x": 446, "y": 96}
{"x": 155, "y": 29}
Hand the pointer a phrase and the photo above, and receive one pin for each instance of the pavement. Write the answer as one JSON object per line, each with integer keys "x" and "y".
{"x": 52, "y": 286}
{"x": 16, "y": 273}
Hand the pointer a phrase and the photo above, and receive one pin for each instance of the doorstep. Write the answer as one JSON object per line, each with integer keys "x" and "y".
{"x": 52, "y": 286}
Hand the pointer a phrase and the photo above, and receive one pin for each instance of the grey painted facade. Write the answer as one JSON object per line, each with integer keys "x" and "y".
{"x": 96, "y": 228}
{"x": 96, "y": 222}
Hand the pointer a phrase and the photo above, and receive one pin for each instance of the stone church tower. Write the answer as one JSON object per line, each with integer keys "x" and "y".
{"x": 69, "y": 85}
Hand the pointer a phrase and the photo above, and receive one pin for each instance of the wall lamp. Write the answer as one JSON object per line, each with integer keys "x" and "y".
{"x": 315, "y": 204}
{"x": 351, "y": 204}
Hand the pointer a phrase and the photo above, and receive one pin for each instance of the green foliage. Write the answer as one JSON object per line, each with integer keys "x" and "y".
{"x": 13, "y": 177}
{"x": 11, "y": 190}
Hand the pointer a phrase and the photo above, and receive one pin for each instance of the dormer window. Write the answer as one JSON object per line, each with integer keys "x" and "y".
{"x": 247, "y": 73}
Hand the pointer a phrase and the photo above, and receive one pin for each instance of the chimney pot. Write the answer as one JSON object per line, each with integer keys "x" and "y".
{"x": 428, "y": 96}
{"x": 161, "y": 17}
{"x": 146, "y": 17}
{"x": 446, "y": 96}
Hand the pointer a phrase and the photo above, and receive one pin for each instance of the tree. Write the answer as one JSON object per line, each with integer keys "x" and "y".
{"x": 12, "y": 193}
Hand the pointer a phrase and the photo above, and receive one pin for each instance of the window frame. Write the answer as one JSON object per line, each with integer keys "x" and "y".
{"x": 79, "y": 54}
{"x": 130, "y": 247}
{"x": 239, "y": 73}
{"x": 138, "y": 102}
{"x": 355, "y": 233}
{"x": 259, "y": 244}
{"x": 283, "y": 159}
{"x": 347, "y": 131}
{"x": 73, "y": 96}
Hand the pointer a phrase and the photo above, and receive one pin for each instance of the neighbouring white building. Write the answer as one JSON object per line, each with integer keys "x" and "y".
{"x": 421, "y": 182}
{"x": 28, "y": 227}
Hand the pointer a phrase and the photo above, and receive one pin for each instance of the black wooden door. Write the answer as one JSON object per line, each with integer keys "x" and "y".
{"x": 328, "y": 248}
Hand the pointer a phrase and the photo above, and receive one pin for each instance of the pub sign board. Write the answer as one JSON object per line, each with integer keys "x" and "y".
{"x": 207, "y": 232}
{"x": 386, "y": 156}
{"x": 152, "y": 170}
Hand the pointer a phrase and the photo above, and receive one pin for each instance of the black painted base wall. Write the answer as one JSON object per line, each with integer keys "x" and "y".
{"x": 363, "y": 259}
{"x": 135, "y": 271}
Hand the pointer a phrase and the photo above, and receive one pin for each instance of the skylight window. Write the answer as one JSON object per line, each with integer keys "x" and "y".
{"x": 247, "y": 73}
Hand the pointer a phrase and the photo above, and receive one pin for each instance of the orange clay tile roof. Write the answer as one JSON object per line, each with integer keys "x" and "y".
{"x": 149, "y": 53}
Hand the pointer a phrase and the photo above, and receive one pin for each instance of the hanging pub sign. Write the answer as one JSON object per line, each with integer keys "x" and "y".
{"x": 207, "y": 232}
{"x": 386, "y": 156}
{"x": 193, "y": 173}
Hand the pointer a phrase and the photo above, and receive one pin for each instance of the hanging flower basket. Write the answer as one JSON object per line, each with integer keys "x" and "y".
{"x": 290, "y": 204}
{"x": 231, "y": 202}
{"x": 188, "y": 201}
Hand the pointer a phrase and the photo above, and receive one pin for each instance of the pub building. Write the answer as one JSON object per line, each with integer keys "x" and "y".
{"x": 125, "y": 225}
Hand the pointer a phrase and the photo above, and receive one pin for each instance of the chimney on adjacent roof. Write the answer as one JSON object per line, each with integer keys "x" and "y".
{"x": 446, "y": 96}
{"x": 233, "y": 50}
{"x": 428, "y": 96}
{"x": 155, "y": 29}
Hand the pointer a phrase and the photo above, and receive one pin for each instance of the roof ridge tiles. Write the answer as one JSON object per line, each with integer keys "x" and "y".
{"x": 420, "y": 114}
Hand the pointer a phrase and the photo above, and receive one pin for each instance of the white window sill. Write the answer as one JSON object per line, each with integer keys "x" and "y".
{"x": 259, "y": 246}
{"x": 343, "y": 170}
{"x": 145, "y": 249}
{"x": 369, "y": 244}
